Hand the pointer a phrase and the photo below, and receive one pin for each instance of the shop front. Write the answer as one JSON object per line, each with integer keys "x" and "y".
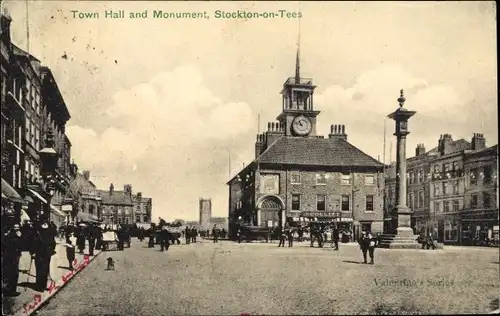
{"x": 479, "y": 228}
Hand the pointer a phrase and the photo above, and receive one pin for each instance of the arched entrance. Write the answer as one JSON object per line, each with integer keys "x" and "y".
{"x": 270, "y": 211}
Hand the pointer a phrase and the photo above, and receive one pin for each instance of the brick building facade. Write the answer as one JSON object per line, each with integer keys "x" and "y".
{"x": 299, "y": 176}
{"x": 124, "y": 207}
{"x": 440, "y": 191}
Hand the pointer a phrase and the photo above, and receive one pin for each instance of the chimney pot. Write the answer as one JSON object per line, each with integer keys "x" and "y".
{"x": 331, "y": 129}
{"x": 343, "y": 129}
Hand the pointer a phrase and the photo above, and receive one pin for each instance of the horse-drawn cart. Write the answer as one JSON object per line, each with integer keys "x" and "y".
{"x": 109, "y": 238}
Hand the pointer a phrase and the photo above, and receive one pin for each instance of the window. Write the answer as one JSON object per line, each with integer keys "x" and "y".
{"x": 320, "y": 178}
{"x": 27, "y": 124}
{"x": 420, "y": 175}
{"x": 321, "y": 202}
{"x": 145, "y": 219}
{"x": 456, "y": 205}
{"x": 295, "y": 178}
{"x": 437, "y": 207}
{"x": 345, "y": 203}
{"x": 138, "y": 209}
{"x": 421, "y": 199}
{"x": 473, "y": 176}
{"x": 91, "y": 209}
{"x": 446, "y": 167}
{"x": 137, "y": 218}
{"x": 346, "y": 179}
{"x": 445, "y": 188}
{"x": 487, "y": 174}
{"x": 37, "y": 139}
{"x": 369, "y": 203}
{"x": 473, "y": 200}
{"x": 369, "y": 179}
{"x": 486, "y": 200}
{"x": 411, "y": 178}
{"x": 127, "y": 220}
{"x": 446, "y": 206}
{"x": 437, "y": 190}
{"x": 456, "y": 165}
{"x": 436, "y": 169}
{"x": 295, "y": 202}
{"x": 455, "y": 187}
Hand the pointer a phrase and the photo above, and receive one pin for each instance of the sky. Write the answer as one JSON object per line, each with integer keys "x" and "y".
{"x": 165, "y": 104}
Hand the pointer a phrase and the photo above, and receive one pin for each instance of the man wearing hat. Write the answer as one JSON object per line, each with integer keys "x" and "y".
{"x": 42, "y": 252}
{"x": 11, "y": 244}
{"x": 164, "y": 239}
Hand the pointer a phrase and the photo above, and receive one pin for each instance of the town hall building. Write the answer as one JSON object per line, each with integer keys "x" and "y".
{"x": 299, "y": 176}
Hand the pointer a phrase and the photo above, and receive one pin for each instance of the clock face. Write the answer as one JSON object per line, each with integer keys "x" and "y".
{"x": 302, "y": 125}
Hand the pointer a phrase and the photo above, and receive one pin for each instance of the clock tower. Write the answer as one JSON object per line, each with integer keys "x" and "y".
{"x": 298, "y": 116}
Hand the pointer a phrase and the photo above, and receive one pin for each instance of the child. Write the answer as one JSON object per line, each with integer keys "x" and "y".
{"x": 70, "y": 253}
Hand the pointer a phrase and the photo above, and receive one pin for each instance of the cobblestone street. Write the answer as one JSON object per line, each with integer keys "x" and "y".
{"x": 229, "y": 278}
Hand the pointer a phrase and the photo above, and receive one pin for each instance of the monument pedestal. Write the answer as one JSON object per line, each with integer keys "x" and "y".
{"x": 404, "y": 237}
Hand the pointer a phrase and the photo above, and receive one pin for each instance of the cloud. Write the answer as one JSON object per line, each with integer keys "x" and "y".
{"x": 373, "y": 95}
{"x": 171, "y": 129}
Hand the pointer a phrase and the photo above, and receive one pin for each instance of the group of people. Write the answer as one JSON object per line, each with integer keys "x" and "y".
{"x": 37, "y": 238}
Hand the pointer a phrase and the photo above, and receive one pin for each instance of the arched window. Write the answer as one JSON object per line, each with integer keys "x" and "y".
{"x": 91, "y": 209}
{"x": 127, "y": 220}
{"x": 138, "y": 209}
{"x": 146, "y": 219}
{"x": 137, "y": 218}
{"x": 120, "y": 211}
{"x": 120, "y": 220}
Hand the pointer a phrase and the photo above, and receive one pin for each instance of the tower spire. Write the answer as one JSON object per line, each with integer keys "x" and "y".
{"x": 297, "y": 59}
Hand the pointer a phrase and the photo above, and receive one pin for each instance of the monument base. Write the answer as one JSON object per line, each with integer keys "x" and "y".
{"x": 404, "y": 241}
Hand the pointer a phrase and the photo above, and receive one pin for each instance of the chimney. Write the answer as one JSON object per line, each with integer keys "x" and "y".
{"x": 259, "y": 145}
{"x": 139, "y": 195}
{"x": 73, "y": 168}
{"x": 337, "y": 132}
{"x": 111, "y": 189}
{"x": 274, "y": 132}
{"x": 478, "y": 141}
{"x": 86, "y": 175}
{"x": 420, "y": 150}
{"x": 444, "y": 144}
{"x": 127, "y": 188}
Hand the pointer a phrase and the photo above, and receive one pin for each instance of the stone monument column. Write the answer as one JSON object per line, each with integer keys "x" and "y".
{"x": 402, "y": 236}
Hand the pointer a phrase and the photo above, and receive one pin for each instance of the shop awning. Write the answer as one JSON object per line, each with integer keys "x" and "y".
{"x": 57, "y": 211}
{"x": 37, "y": 195}
{"x": 9, "y": 193}
{"x": 86, "y": 217}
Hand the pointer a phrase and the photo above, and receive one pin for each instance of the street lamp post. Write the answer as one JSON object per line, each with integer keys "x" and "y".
{"x": 48, "y": 160}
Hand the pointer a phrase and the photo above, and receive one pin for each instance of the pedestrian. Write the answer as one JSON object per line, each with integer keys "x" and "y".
{"x": 282, "y": 236}
{"x": 289, "y": 235}
{"x": 121, "y": 238}
{"x": 335, "y": 238}
{"x": 92, "y": 239}
{"x": 151, "y": 232}
{"x": 430, "y": 242}
{"x": 215, "y": 233}
{"x": 11, "y": 253}
{"x": 99, "y": 237}
{"x": 80, "y": 238}
{"x": 195, "y": 234}
{"x": 164, "y": 239}
{"x": 187, "y": 234}
{"x": 70, "y": 254}
{"x": 367, "y": 244}
{"x": 42, "y": 253}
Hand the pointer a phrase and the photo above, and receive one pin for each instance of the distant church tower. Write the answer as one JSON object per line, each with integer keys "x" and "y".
{"x": 205, "y": 213}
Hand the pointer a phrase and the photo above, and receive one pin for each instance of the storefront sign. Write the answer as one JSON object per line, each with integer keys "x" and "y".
{"x": 321, "y": 214}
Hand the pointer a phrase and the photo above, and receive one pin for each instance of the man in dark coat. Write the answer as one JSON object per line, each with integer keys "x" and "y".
{"x": 215, "y": 233}
{"x": 164, "y": 239}
{"x": 282, "y": 236}
{"x": 187, "y": 234}
{"x": 11, "y": 245}
{"x": 121, "y": 238}
{"x": 42, "y": 251}
{"x": 335, "y": 238}
{"x": 80, "y": 237}
{"x": 289, "y": 236}
{"x": 92, "y": 237}
{"x": 367, "y": 243}
{"x": 151, "y": 233}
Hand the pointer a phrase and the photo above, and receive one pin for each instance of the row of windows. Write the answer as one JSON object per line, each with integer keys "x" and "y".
{"x": 448, "y": 206}
{"x": 138, "y": 219}
{"x": 487, "y": 200}
{"x": 321, "y": 202}
{"x": 446, "y": 188}
{"x": 120, "y": 210}
{"x": 33, "y": 96}
{"x": 487, "y": 175}
{"x": 447, "y": 167}
{"x": 322, "y": 177}
{"x": 32, "y": 170}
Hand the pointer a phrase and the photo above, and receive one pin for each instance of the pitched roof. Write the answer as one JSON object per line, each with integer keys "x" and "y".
{"x": 316, "y": 152}
{"x": 117, "y": 198}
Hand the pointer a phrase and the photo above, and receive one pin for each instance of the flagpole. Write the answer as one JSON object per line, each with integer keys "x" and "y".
{"x": 27, "y": 29}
